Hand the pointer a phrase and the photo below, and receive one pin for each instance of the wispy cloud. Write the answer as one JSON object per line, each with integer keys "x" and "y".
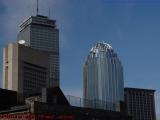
{"x": 18, "y": 10}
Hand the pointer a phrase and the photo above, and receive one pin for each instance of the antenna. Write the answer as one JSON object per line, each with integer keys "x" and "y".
{"x": 49, "y": 13}
{"x": 37, "y": 7}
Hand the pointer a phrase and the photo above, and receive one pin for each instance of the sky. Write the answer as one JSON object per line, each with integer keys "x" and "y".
{"x": 132, "y": 27}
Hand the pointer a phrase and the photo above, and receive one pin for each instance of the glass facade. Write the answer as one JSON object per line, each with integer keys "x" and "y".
{"x": 41, "y": 33}
{"x": 103, "y": 77}
{"x": 34, "y": 78}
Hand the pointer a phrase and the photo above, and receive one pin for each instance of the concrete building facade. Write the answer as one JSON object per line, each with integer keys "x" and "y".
{"x": 25, "y": 70}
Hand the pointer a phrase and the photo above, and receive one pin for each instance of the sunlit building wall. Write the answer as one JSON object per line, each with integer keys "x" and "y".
{"x": 25, "y": 70}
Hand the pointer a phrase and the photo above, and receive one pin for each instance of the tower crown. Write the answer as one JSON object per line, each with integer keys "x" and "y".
{"x": 101, "y": 46}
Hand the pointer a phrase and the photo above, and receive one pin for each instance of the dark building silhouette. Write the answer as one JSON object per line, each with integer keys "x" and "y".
{"x": 8, "y": 98}
{"x": 51, "y": 104}
{"x": 140, "y": 103}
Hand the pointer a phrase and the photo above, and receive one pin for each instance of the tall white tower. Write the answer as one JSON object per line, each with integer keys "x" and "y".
{"x": 103, "y": 78}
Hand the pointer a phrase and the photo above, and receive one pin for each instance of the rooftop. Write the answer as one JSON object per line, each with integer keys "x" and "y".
{"x": 139, "y": 89}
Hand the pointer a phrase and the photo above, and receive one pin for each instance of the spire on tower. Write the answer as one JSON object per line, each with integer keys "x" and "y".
{"x": 49, "y": 14}
{"x": 37, "y": 7}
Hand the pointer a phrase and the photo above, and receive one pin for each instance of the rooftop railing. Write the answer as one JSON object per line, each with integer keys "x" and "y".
{"x": 96, "y": 104}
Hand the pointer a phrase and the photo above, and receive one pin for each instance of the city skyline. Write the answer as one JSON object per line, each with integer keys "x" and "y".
{"x": 125, "y": 26}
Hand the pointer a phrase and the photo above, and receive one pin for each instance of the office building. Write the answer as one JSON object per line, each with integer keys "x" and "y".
{"x": 25, "y": 70}
{"x": 140, "y": 103}
{"x": 40, "y": 32}
{"x": 103, "y": 78}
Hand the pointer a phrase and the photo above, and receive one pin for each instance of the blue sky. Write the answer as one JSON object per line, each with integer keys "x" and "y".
{"x": 132, "y": 27}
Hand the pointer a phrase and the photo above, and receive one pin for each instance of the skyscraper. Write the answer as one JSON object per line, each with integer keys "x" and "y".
{"x": 103, "y": 77}
{"x": 40, "y": 32}
{"x": 140, "y": 103}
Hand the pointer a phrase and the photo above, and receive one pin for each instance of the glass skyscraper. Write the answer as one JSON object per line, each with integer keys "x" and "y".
{"x": 103, "y": 78}
{"x": 40, "y": 32}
